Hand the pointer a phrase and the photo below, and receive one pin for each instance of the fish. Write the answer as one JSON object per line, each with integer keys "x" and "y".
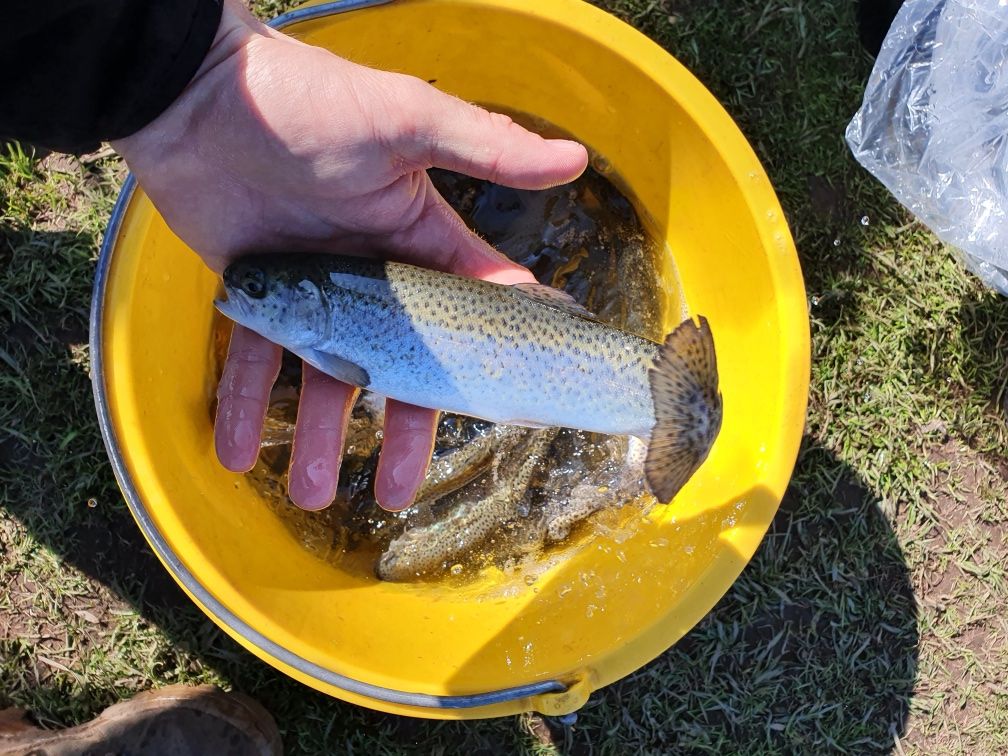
{"x": 472, "y": 514}
{"x": 522, "y": 354}
{"x": 571, "y": 493}
{"x": 450, "y": 469}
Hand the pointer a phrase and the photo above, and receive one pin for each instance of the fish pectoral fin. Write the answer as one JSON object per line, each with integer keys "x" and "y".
{"x": 687, "y": 408}
{"x": 558, "y": 300}
{"x": 337, "y": 367}
{"x": 527, "y": 424}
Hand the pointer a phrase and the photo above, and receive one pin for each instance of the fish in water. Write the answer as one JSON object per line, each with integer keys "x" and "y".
{"x": 525, "y": 354}
{"x": 471, "y": 514}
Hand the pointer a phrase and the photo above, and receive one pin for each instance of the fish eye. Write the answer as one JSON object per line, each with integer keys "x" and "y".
{"x": 253, "y": 283}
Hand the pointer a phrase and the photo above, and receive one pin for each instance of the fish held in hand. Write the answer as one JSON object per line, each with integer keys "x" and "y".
{"x": 524, "y": 354}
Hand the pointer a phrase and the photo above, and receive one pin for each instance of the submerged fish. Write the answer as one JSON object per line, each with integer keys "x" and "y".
{"x": 471, "y": 514}
{"x": 524, "y": 355}
{"x": 571, "y": 493}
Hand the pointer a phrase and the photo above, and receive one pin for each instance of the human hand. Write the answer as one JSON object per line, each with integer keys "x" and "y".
{"x": 279, "y": 145}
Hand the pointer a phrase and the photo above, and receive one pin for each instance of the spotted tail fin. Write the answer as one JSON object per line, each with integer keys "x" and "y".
{"x": 687, "y": 408}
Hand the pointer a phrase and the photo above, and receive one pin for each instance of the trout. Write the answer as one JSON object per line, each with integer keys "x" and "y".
{"x": 525, "y": 354}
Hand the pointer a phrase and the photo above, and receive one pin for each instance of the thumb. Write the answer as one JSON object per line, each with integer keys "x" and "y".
{"x": 439, "y": 239}
{"x": 445, "y": 132}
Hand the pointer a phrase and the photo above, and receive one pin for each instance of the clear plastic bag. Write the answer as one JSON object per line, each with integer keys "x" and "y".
{"x": 933, "y": 126}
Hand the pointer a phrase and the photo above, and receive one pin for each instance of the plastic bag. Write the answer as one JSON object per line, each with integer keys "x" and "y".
{"x": 933, "y": 126}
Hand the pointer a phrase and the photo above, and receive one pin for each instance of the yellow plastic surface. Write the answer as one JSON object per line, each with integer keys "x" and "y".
{"x": 622, "y": 604}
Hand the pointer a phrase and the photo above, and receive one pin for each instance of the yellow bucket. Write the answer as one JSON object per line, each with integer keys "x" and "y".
{"x": 430, "y": 649}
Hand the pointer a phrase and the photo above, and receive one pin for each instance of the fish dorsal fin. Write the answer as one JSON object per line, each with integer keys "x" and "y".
{"x": 558, "y": 300}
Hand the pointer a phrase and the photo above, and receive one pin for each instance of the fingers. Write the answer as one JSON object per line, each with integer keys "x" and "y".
{"x": 323, "y": 412}
{"x": 406, "y": 452}
{"x": 438, "y": 238}
{"x": 446, "y": 132}
{"x": 251, "y": 368}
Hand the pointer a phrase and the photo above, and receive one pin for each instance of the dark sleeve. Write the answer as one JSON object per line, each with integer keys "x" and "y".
{"x": 78, "y": 72}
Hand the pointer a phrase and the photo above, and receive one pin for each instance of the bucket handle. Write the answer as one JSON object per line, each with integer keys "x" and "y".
{"x": 320, "y": 11}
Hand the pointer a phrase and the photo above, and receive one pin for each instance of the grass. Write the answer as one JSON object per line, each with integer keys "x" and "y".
{"x": 873, "y": 617}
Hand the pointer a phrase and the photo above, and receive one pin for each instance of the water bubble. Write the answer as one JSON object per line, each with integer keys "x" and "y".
{"x": 590, "y": 610}
{"x": 456, "y": 569}
{"x": 621, "y": 556}
{"x": 92, "y": 503}
{"x": 689, "y": 548}
{"x": 659, "y": 543}
{"x": 815, "y": 300}
{"x": 864, "y": 220}
{"x": 378, "y": 434}
{"x": 836, "y": 242}
{"x": 564, "y": 590}
{"x": 530, "y": 579}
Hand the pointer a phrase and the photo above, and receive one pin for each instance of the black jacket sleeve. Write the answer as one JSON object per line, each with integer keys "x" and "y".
{"x": 78, "y": 72}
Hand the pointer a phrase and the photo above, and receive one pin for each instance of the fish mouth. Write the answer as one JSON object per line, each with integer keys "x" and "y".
{"x": 231, "y": 308}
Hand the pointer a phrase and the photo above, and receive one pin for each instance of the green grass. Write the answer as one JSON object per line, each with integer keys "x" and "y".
{"x": 873, "y": 617}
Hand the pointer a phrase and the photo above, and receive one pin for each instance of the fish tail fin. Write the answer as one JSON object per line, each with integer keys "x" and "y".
{"x": 687, "y": 408}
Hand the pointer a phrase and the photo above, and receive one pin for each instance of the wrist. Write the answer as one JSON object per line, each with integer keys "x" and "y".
{"x": 237, "y": 27}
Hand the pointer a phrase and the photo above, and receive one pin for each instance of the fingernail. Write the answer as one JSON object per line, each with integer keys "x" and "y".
{"x": 396, "y": 486}
{"x": 312, "y": 485}
{"x": 238, "y": 446}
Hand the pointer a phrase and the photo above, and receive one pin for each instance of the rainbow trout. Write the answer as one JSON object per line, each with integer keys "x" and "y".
{"x": 525, "y": 354}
